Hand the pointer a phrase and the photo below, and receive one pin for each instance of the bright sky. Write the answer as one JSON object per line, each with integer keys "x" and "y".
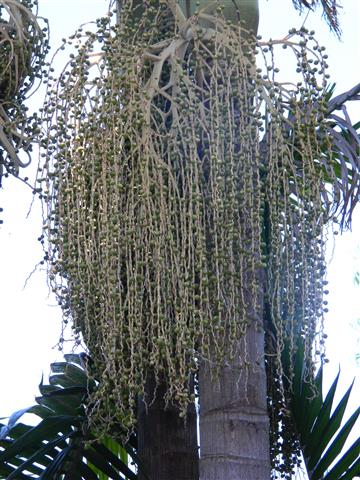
{"x": 31, "y": 320}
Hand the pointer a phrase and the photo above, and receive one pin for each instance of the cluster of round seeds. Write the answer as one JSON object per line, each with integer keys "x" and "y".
{"x": 185, "y": 198}
{"x": 23, "y": 47}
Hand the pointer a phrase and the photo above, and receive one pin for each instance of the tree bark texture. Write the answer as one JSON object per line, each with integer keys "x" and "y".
{"x": 167, "y": 446}
{"x": 234, "y": 423}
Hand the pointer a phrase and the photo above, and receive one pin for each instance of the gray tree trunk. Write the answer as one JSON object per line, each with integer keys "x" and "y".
{"x": 167, "y": 446}
{"x": 234, "y": 423}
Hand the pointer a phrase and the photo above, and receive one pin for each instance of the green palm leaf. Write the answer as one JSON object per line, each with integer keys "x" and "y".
{"x": 319, "y": 429}
{"x": 61, "y": 446}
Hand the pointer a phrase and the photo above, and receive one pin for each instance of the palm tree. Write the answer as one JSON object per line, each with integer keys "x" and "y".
{"x": 183, "y": 183}
{"x": 234, "y": 431}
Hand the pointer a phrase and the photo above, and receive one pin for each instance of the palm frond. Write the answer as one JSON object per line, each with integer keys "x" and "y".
{"x": 330, "y": 11}
{"x": 61, "y": 446}
{"x": 344, "y": 136}
{"x": 319, "y": 426}
{"x": 338, "y": 162}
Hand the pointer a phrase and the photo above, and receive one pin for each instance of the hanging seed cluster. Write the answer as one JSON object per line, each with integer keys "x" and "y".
{"x": 23, "y": 47}
{"x": 177, "y": 174}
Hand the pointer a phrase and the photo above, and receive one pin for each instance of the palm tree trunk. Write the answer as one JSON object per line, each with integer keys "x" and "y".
{"x": 234, "y": 430}
{"x": 234, "y": 422}
{"x": 167, "y": 445}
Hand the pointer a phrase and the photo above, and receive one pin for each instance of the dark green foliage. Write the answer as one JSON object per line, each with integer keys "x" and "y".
{"x": 60, "y": 446}
{"x": 321, "y": 435}
{"x": 319, "y": 427}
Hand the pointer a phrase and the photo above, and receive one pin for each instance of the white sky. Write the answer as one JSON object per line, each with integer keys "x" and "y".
{"x": 30, "y": 319}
